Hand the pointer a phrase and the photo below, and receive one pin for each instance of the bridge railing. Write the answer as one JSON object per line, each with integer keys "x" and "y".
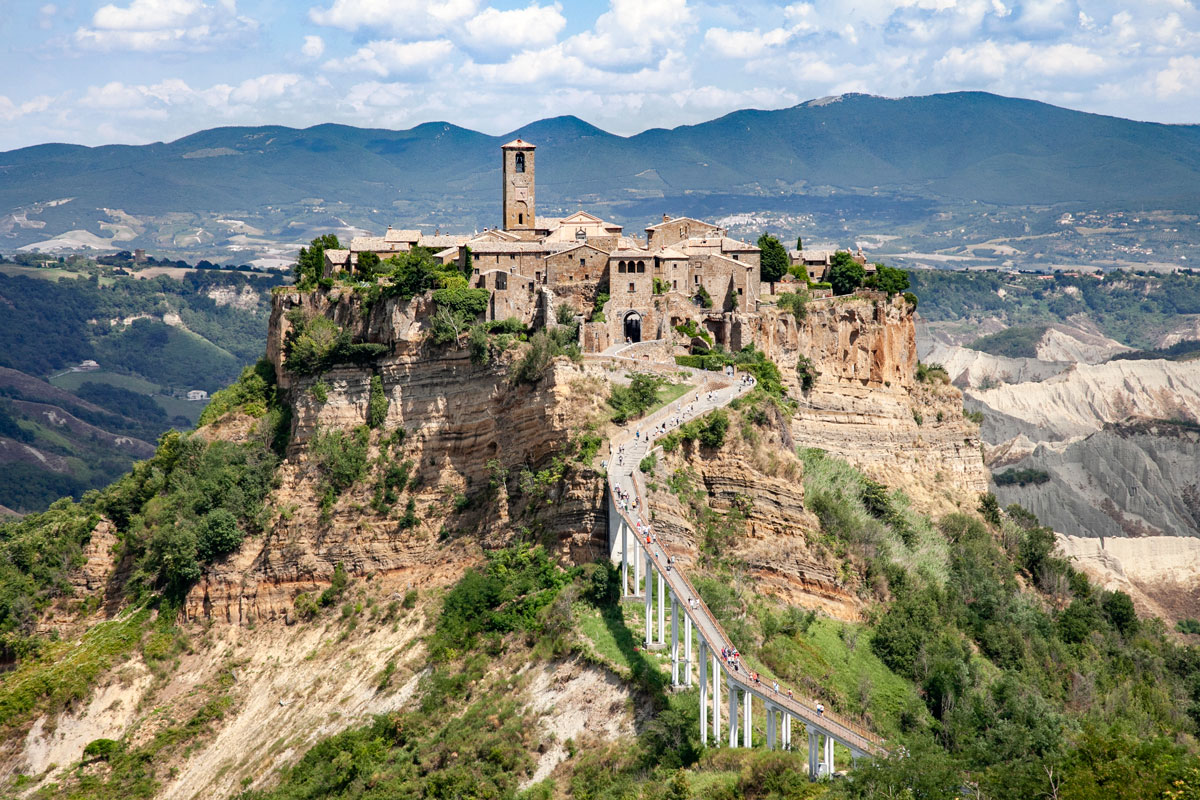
{"x": 869, "y": 742}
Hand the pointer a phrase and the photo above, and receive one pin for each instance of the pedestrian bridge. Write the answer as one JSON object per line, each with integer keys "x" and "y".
{"x": 648, "y": 571}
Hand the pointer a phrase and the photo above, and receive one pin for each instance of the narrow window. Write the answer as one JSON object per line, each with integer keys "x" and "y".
{"x": 631, "y": 287}
{"x": 520, "y": 162}
{"x": 674, "y": 284}
{"x": 520, "y": 219}
{"x": 581, "y": 262}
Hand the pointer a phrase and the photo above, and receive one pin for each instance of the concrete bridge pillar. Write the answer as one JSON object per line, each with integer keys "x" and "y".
{"x": 703, "y": 665}
{"x": 787, "y": 731}
{"x": 624, "y": 556}
{"x": 813, "y": 759}
{"x": 637, "y": 569}
{"x": 649, "y": 601}
{"x": 828, "y": 766}
{"x": 747, "y": 718}
{"x": 662, "y": 610}
{"x": 687, "y": 650}
{"x": 733, "y": 714}
{"x": 674, "y": 640}
{"x": 770, "y": 726}
{"x": 716, "y": 679}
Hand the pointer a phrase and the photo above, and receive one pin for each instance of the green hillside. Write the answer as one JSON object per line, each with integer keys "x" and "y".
{"x": 952, "y": 148}
{"x": 63, "y": 432}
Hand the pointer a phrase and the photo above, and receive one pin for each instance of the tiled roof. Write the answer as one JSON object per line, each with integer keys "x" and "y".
{"x": 441, "y": 240}
{"x": 508, "y": 247}
{"x": 401, "y": 235}
{"x": 519, "y": 143}
{"x": 677, "y": 220}
{"x": 337, "y": 256}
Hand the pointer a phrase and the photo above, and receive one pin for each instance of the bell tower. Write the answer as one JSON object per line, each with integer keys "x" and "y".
{"x": 518, "y": 186}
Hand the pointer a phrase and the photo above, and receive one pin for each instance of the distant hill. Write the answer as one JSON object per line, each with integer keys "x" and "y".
{"x": 947, "y": 148}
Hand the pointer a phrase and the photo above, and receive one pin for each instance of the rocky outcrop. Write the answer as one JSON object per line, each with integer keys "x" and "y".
{"x": 1136, "y": 479}
{"x": 866, "y": 406}
{"x": 746, "y": 501}
{"x": 1160, "y": 573}
{"x": 1082, "y": 400}
{"x": 974, "y": 369}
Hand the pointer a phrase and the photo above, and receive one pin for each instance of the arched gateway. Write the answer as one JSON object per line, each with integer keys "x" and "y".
{"x": 633, "y": 327}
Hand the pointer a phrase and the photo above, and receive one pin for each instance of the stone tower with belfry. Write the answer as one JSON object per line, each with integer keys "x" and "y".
{"x": 519, "y": 206}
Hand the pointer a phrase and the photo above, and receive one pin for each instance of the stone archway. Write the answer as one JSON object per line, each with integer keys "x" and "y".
{"x": 633, "y": 327}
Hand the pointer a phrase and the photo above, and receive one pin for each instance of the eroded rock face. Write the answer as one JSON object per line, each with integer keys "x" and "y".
{"x": 463, "y": 425}
{"x": 866, "y": 405}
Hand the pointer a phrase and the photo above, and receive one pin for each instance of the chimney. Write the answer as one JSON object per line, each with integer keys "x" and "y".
{"x": 666, "y": 218}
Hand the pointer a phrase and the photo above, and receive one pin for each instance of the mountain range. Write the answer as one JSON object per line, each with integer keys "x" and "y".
{"x": 889, "y": 158}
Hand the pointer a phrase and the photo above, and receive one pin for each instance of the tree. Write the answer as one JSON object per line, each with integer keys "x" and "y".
{"x": 845, "y": 274}
{"x": 773, "y": 260}
{"x": 368, "y": 265}
{"x": 1118, "y": 607}
{"x": 311, "y": 261}
{"x": 800, "y": 244}
{"x": 888, "y": 279}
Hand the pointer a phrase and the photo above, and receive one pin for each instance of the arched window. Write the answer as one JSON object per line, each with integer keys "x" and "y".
{"x": 519, "y": 163}
{"x": 620, "y": 266}
{"x": 641, "y": 266}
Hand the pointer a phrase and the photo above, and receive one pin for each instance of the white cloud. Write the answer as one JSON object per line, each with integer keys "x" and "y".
{"x": 409, "y": 19}
{"x": 634, "y": 33}
{"x": 745, "y": 44}
{"x": 532, "y": 26}
{"x": 1181, "y": 75}
{"x": 390, "y": 57}
{"x": 152, "y": 25}
{"x": 313, "y": 47}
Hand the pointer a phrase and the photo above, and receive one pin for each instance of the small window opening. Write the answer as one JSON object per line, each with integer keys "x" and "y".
{"x": 520, "y": 162}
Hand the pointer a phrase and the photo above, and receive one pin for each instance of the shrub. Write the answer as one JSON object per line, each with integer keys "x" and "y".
{"x": 690, "y": 329}
{"x": 341, "y": 458}
{"x": 377, "y": 405}
{"x": 807, "y": 372}
{"x": 932, "y": 373}
{"x": 253, "y": 393}
{"x": 1191, "y": 625}
{"x": 1021, "y": 477}
{"x": 602, "y": 299}
{"x": 635, "y": 399}
{"x": 647, "y": 463}
{"x": 506, "y": 596}
{"x": 544, "y": 347}
{"x": 101, "y": 749}
{"x": 479, "y": 345}
{"x": 704, "y": 297}
{"x": 219, "y": 534}
{"x": 337, "y": 586}
{"x": 564, "y": 314}
{"x": 795, "y": 302}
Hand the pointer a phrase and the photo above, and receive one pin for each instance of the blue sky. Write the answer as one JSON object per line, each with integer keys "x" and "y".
{"x": 135, "y": 71}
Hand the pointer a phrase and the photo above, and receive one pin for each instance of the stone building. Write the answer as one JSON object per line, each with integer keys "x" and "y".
{"x": 683, "y": 269}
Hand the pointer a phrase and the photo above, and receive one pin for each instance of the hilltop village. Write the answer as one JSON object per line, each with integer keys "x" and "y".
{"x": 643, "y": 287}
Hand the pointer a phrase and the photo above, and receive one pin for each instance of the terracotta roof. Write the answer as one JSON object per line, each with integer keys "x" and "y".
{"x": 337, "y": 256}
{"x": 518, "y": 143}
{"x": 508, "y": 247}
{"x": 441, "y": 240}
{"x": 670, "y": 253}
{"x": 677, "y": 220}
{"x": 360, "y": 243}
{"x": 401, "y": 235}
